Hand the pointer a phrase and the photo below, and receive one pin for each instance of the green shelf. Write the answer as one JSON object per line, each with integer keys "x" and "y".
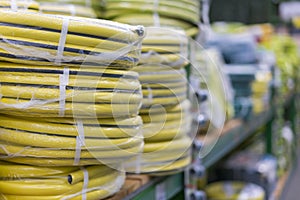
{"x": 233, "y": 138}
{"x": 171, "y": 187}
{"x": 166, "y": 187}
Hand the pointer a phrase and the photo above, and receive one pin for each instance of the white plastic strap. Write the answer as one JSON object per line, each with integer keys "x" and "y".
{"x": 155, "y": 13}
{"x": 150, "y": 94}
{"x": 13, "y": 5}
{"x": 88, "y": 3}
{"x": 62, "y": 41}
{"x": 63, "y": 82}
{"x": 72, "y": 10}
{"x": 85, "y": 183}
{"x": 205, "y": 12}
{"x": 80, "y": 141}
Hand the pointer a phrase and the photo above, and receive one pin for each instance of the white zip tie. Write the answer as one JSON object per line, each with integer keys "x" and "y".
{"x": 72, "y": 10}
{"x": 88, "y": 3}
{"x": 62, "y": 41}
{"x": 85, "y": 183}
{"x": 150, "y": 94}
{"x": 156, "y": 18}
{"x": 63, "y": 82}
{"x": 80, "y": 141}
{"x": 13, "y": 5}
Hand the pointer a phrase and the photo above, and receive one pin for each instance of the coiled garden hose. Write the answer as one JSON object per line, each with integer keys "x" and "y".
{"x": 234, "y": 191}
{"x": 179, "y": 13}
{"x": 75, "y": 92}
{"x": 167, "y": 146}
{"x": 58, "y": 183}
{"x": 162, "y": 85}
{"x": 40, "y": 39}
{"x": 19, "y": 5}
{"x": 67, "y": 9}
{"x": 162, "y": 156}
{"x": 67, "y": 142}
{"x": 148, "y": 21}
{"x": 49, "y": 8}
{"x": 164, "y": 46}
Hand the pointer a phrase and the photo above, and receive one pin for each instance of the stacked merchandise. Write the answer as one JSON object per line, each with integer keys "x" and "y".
{"x": 261, "y": 90}
{"x": 69, "y": 104}
{"x": 234, "y": 191}
{"x": 184, "y": 14}
{"x": 250, "y": 167}
{"x": 287, "y": 60}
{"x": 52, "y": 7}
{"x": 207, "y": 78}
{"x": 165, "y": 106}
{"x": 163, "y": 78}
{"x": 241, "y": 77}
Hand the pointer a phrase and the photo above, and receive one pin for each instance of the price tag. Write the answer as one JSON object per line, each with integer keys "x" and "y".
{"x": 160, "y": 192}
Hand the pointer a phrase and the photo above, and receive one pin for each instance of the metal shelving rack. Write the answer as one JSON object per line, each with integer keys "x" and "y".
{"x": 172, "y": 187}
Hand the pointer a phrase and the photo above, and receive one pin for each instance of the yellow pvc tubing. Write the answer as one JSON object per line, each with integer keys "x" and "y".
{"x": 180, "y": 143}
{"x": 67, "y": 9}
{"x": 57, "y": 186}
{"x": 32, "y": 182}
{"x": 14, "y": 106}
{"x": 21, "y": 5}
{"x": 147, "y": 19}
{"x": 71, "y": 95}
{"x": 77, "y": 25}
{"x": 182, "y": 107}
{"x": 36, "y": 152}
{"x": 97, "y": 128}
{"x": 159, "y": 167}
{"x": 62, "y": 161}
{"x": 47, "y": 141}
{"x": 10, "y": 170}
{"x": 164, "y": 101}
{"x": 165, "y": 116}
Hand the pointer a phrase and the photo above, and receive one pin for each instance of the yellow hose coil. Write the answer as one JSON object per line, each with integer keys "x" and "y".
{"x": 234, "y": 191}
{"x": 56, "y": 141}
{"x": 56, "y": 183}
{"x": 67, "y": 9}
{"x": 37, "y": 91}
{"x": 33, "y": 38}
{"x": 167, "y": 146}
{"x": 49, "y": 8}
{"x": 19, "y": 5}
{"x": 164, "y": 46}
{"x": 162, "y": 85}
{"x": 179, "y": 13}
{"x": 165, "y": 156}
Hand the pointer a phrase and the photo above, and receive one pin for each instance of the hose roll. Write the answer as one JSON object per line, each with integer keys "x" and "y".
{"x": 67, "y": 9}
{"x": 52, "y": 91}
{"x": 162, "y": 85}
{"x": 67, "y": 142}
{"x": 56, "y": 183}
{"x": 41, "y": 39}
{"x": 165, "y": 156}
{"x": 19, "y": 5}
{"x": 165, "y": 46}
{"x": 48, "y": 8}
{"x": 155, "y": 13}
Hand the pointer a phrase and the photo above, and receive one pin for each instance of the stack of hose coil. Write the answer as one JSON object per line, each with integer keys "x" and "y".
{"x": 86, "y": 8}
{"x": 68, "y": 9}
{"x": 19, "y": 5}
{"x": 69, "y": 104}
{"x": 56, "y": 183}
{"x": 165, "y": 108}
{"x": 184, "y": 14}
{"x": 49, "y": 8}
{"x": 234, "y": 191}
